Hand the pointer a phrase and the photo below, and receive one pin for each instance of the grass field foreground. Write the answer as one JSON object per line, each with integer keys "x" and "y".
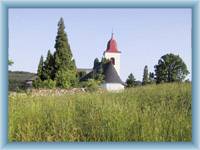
{"x": 148, "y": 113}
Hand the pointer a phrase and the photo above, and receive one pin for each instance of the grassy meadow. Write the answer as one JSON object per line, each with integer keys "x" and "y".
{"x": 148, "y": 113}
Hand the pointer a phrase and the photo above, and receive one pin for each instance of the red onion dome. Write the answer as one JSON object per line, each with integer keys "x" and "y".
{"x": 112, "y": 45}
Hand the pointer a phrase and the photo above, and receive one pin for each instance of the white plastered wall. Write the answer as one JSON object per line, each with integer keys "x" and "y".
{"x": 116, "y": 56}
{"x": 113, "y": 86}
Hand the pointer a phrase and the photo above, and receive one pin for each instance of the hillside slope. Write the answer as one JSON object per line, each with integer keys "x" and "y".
{"x": 17, "y": 79}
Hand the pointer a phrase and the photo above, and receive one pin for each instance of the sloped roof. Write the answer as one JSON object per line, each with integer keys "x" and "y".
{"x": 110, "y": 74}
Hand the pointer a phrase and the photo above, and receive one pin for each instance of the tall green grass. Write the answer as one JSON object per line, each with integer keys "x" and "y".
{"x": 149, "y": 113}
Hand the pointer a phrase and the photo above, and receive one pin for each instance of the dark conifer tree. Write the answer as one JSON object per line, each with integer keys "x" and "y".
{"x": 145, "y": 76}
{"x": 96, "y": 63}
{"x": 40, "y": 71}
{"x": 99, "y": 73}
{"x": 65, "y": 68}
{"x": 49, "y": 66}
{"x": 131, "y": 81}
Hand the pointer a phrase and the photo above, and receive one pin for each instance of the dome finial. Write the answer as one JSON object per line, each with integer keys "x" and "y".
{"x": 112, "y": 34}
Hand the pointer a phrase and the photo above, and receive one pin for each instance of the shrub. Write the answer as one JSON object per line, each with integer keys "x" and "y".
{"x": 44, "y": 84}
{"x": 65, "y": 79}
{"x": 49, "y": 84}
{"x": 37, "y": 83}
{"x": 91, "y": 85}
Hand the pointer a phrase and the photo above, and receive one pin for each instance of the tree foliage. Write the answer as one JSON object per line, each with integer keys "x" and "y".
{"x": 145, "y": 76}
{"x": 40, "y": 69}
{"x": 91, "y": 85}
{"x": 151, "y": 77}
{"x": 98, "y": 69}
{"x": 131, "y": 81}
{"x": 49, "y": 84}
{"x": 104, "y": 60}
{"x": 99, "y": 73}
{"x": 49, "y": 70}
{"x": 65, "y": 68}
{"x": 170, "y": 68}
{"x": 59, "y": 67}
{"x": 96, "y": 63}
{"x": 81, "y": 74}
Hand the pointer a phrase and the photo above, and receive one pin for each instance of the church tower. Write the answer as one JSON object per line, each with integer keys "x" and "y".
{"x": 113, "y": 54}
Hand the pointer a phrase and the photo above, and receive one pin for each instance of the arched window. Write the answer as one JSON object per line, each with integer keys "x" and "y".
{"x": 112, "y": 60}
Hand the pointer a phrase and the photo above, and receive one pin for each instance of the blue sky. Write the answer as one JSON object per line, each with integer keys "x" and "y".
{"x": 142, "y": 35}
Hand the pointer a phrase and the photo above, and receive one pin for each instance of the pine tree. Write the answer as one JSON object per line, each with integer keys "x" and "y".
{"x": 40, "y": 70}
{"x": 65, "y": 68}
{"x": 131, "y": 81}
{"x": 99, "y": 73}
{"x": 96, "y": 63}
{"x": 145, "y": 76}
{"x": 49, "y": 67}
{"x": 104, "y": 60}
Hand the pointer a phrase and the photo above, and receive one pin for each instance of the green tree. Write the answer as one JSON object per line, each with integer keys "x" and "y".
{"x": 98, "y": 69}
{"x": 104, "y": 60}
{"x": 131, "y": 81}
{"x": 40, "y": 70}
{"x": 151, "y": 77}
{"x": 170, "y": 68}
{"x": 145, "y": 76}
{"x": 37, "y": 83}
{"x": 65, "y": 68}
{"x": 96, "y": 63}
{"x": 91, "y": 85}
{"x": 49, "y": 70}
{"x": 49, "y": 84}
{"x": 99, "y": 73}
{"x": 81, "y": 74}
{"x": 65, "y": 79}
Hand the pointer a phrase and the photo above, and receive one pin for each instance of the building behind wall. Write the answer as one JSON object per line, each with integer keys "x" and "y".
{"x": 111, "y": 70}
